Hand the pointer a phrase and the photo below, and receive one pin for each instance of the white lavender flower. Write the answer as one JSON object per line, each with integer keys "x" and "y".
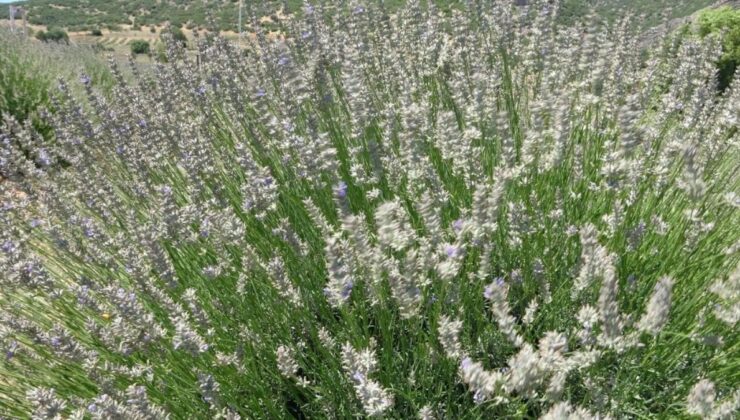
{"x": 588, "y": 317}
{"x": 394, "y": 229}
{"x": 608, "y": 307}
{"x": 593, "y": 259}
{"x": 701, "y": 398}
{"x": 497, "y": 293}
{"x": 405, "y": 291}
{"x": 449, "y": 336}
{"x": 286, "y": 362}
{"x": 484, "y": 384}
{"x": 209, "y": 389}
{"x": 728, "y": 294}
{"x": 187, "y": 338}
{"x": 658, "y": 307}
{"x": 564, "y": 411}
{"x": 530, "y": 312}
{"x": 279, "y": 275}
{"x": 527, "y": 371}
{"x": 327, "y": 339}
{"x": 426, "y": 413}
{"x": 341, "y": 280}
{"x": 359, "y": 365}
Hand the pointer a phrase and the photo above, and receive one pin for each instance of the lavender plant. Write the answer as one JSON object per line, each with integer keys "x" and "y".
{"x": 473, "y": 215}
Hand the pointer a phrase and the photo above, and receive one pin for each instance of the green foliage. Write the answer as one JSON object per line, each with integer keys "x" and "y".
{"x": 96, "y": 32}
{"x": 53, "y": 34}
{"x": 724, "y": 21}
{"x": 139, "y": 46}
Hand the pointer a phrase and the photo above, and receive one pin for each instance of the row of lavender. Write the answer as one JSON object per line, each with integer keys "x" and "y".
{"x": 479, "y": 214}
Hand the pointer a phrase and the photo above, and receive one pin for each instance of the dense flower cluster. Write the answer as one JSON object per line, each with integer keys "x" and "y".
{"x": 441, "y": 215}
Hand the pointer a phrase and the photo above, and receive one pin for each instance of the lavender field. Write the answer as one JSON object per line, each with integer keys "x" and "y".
{"x": 476, "y": 214}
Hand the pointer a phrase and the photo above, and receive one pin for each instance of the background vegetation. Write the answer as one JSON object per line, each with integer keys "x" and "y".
{"x": 725, "y": 23}
{"x": 87, "y": 14}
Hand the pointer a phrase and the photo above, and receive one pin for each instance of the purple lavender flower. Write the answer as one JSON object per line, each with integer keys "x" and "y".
{"x": 341, "y": 189}
{"x": 466, "y": 363}
{"x": 457, "y": 225}
{"x": 347, "y": 289}
{"x": 452, "y": 251}
{"x": 11, "y": 350}
{"x": 8, "y": 247}
{"x": 488, "y": 292}
{"x": 85, "y": 79}
{"x": 261, "y": 92}
{"x": 479, "y": 397}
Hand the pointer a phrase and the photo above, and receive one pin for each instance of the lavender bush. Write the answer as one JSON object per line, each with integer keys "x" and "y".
{"x": 473, "y": 215}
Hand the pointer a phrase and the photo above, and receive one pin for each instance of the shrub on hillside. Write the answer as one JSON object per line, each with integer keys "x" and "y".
{"x": 53, "y": 35}
{"x": 96, "y": 32}
{"x": 139, "y": 46}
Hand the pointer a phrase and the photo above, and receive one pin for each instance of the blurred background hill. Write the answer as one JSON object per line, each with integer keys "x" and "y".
{"x": 86, "y": 15}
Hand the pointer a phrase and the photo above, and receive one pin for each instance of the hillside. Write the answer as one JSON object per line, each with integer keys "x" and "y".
{"x": 80, "y": 15}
